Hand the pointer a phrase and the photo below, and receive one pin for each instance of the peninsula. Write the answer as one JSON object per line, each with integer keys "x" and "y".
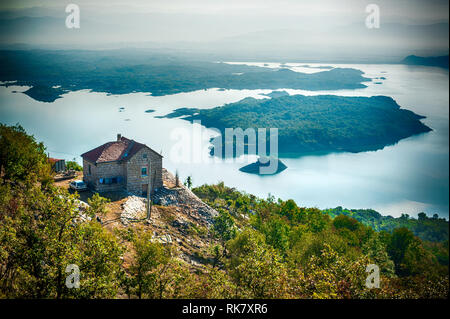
{"x": 316, "y": 124}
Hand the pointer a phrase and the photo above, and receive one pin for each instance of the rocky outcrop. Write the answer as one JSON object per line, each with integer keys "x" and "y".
{"x": 133, "y": 209}
{"x": 187, "y": 200}
{"x": 184, "y": 198}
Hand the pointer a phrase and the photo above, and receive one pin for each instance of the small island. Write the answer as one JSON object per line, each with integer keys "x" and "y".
{"x": 254, "y": 168}
{"x": 44, "y": 93}
{"x": 316, "y": 124}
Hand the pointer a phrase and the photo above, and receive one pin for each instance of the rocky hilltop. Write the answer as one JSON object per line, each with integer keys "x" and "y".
{"x": 178, "y": 217}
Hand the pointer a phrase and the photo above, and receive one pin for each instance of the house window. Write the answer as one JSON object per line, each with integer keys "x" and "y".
{"x": 111, "y": 180}
{"x": 144, "y": 155}
{"x": 89, "y": 169}
{"x": 105, "y": 181}
{"x": 144, "y": 171}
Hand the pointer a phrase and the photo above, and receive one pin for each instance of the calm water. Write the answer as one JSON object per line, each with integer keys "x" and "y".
{"x": 409, "y": 177}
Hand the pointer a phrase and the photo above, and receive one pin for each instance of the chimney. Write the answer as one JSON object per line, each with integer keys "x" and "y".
{"x": 119, "y": 137}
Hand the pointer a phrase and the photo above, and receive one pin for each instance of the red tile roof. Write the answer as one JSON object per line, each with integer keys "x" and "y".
{"x": 122, "y": 149}
{"x": 54, "y": 160}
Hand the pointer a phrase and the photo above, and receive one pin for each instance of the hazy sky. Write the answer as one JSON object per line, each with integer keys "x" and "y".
{"x": 277, "y": 27}
{"x": 425, "y": 11}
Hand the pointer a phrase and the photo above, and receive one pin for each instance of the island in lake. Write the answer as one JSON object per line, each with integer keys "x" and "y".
{"x": 438, "y": 61}
{"x": 44, "y": 93}
{"x": 123, "y": 72}
{"x": 316, "y": 124}
{"x": 254, "y": 168}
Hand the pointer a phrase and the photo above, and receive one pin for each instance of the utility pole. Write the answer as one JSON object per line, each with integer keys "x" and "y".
{"x": 149, "y": 189}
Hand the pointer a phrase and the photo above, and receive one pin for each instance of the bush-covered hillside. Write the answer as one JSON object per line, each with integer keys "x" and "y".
{"x": 329, "y": 253}
{"x": 255, "y": 248}
{"x": 427, "y": 228}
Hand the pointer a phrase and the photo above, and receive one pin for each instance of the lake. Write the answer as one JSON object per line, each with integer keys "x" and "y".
{"x": 409, "y": 177}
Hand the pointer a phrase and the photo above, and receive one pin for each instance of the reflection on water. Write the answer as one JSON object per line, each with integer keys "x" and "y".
{"x": 409, "y": 177}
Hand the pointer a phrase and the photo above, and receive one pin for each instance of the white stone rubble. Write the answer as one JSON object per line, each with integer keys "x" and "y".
{"x": 133, "y": 209}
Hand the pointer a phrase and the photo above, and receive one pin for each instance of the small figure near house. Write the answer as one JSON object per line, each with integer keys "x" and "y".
{"x": 123, "y": 164}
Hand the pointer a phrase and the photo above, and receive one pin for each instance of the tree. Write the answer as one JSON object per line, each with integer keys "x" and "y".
{"x": 98, "y": 256}
{"x": 177, "y": 179}
{"x": 22, "y": 159}
{"x": 73, "y": 165}
{"x": 409, "y": 255}
{"x": 277, "y": 234}
{"x": 312, "y": 244}
{"x": 217, "y": 252}
{"x": 97, "y": 205}
{"x": 44, "y": 229}
{"x": 256, "y": 268}
{"x": 290, "y": 209}
{"x": 400, "y": 240}
{"x": 343, "y": 221}
{"x": 214, "y": 283}
{"x": 224, "y": 226}
{"x": 375, "y": 249}
{"x": 188, "y": 182}
{"x": 42, "y": 233}
{"x": 331, "y": 275}
{"x": 151, "y": 260}
{"x": 314, "y": 219}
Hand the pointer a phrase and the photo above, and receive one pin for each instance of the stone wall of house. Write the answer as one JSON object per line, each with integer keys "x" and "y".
{"x": 104, "y": 170}
{"x": 130, "y": 171}
{"x": 134, "y": 165}
{"x": 110, "y": 170}
{"x": 89, "y": 173}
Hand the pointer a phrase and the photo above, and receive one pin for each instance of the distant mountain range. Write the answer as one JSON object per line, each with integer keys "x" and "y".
{"x": 228, "y": 40}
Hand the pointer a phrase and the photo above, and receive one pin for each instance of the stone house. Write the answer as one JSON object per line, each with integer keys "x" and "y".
{"x": 123, "y": 164}
{"x": 58, "y": 165}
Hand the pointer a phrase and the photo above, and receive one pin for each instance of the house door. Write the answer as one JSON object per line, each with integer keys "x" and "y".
{"x": 144, "y": 190}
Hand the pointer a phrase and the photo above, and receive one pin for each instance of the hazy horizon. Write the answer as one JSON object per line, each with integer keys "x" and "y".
{"x": 322, "y": 30}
